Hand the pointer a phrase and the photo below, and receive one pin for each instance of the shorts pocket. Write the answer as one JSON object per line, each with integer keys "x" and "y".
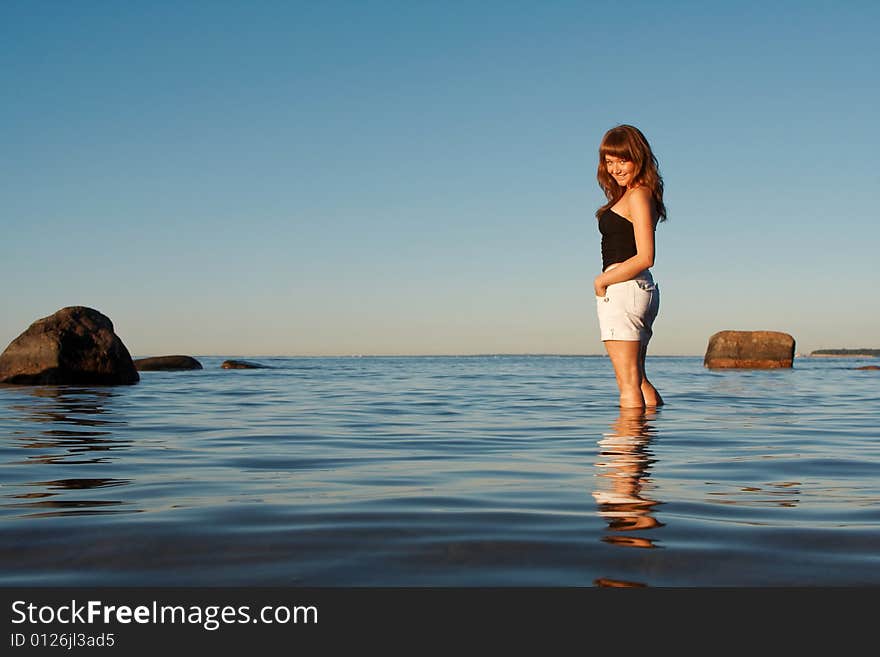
{"x": 643, "y": 293}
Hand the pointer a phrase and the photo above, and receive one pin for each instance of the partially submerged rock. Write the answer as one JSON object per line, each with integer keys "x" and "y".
{"x": 241, "y": 365}
{"x": 869, "y": 367}
{"x": 749, "y": 349}
{"x": 76, "y": 345}
{"x": 167, "y": 363}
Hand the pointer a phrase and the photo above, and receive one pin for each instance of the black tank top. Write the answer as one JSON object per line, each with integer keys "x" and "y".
{"x": 618, "y": 238}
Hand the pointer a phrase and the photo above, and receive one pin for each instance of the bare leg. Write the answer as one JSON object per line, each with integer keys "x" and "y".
{"x": 625, "y": 356}
{"x": 649, "y": 392}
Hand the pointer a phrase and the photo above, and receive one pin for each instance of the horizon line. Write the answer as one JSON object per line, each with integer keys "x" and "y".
{"x": 444, "y": 355}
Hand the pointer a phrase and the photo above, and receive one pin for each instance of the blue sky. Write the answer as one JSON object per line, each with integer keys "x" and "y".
{"x": 284, "y": 178}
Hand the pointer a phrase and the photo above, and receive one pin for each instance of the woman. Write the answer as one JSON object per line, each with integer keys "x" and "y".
{"x": 627, "y": 298}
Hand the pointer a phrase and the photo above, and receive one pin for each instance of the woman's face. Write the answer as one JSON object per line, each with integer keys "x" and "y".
{"x": 622, "y": 170}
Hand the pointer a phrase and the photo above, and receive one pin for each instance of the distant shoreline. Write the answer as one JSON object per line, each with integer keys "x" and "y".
{"x": 845, "y": 353}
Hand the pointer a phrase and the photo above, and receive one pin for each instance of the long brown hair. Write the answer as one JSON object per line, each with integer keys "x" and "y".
{"x": 628, "y": 142}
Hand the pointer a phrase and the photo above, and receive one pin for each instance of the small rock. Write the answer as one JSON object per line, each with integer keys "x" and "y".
{"x": 749, "y": 349}
{"x": 76, "y": 345}
{"x": 241, "y": 365}
{"x": 167, "y": 363}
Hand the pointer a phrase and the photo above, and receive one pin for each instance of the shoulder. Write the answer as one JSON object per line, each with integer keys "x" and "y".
{"x": 640, "y": 196}
{"x": 640, "y": 202}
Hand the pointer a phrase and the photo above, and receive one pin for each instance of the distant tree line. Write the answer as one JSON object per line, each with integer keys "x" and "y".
{"x": 845, "y": 352}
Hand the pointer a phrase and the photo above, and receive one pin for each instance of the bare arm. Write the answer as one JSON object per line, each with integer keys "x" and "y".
{"x": 641, "y": 215}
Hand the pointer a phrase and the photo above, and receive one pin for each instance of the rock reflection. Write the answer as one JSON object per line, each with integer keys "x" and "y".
{"x": 623, "y": 479}
{"x": 779, "y": 493}
{"x": 65, "y": 425}
{"x": 80, "y": 425}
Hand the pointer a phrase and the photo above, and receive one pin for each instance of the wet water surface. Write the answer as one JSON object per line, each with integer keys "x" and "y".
{"x": 464, "y": 471}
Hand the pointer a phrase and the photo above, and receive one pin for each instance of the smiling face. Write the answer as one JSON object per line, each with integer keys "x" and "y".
{"x": 621, "y": 169}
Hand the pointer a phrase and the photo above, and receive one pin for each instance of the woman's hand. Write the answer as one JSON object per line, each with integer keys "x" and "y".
{"x": 599, "y": 287}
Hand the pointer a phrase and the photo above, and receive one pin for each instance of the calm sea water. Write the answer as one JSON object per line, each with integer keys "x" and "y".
{"x": 444, "y": 471}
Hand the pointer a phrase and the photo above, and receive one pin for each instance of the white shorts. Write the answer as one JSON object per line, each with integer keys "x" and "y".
{"x": 628, "y": 309}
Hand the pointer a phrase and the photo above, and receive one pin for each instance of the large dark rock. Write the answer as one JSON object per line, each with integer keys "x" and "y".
{"x": 167, "y": 363}
{"x": 241, "y": 365}
{"x": 749, "y": 349}
{"x": 76, "y": 345}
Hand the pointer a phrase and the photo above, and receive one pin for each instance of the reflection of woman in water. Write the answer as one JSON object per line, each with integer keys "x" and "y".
{"x": 625, "y": 462}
